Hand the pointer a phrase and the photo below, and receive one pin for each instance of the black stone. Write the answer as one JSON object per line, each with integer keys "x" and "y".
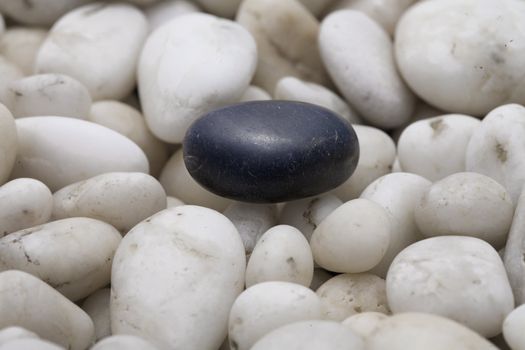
{"x": 270, "y": 151}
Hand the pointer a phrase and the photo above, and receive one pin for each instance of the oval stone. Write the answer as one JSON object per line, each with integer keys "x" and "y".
{"x": 270, "y": 151}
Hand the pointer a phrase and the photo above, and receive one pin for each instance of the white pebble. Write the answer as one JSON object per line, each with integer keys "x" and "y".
{"x": 462, "y": 278}
{"x": 173, "y": 202}
{"x": 515, "y": 251}
{"x": 8, "y": 143}
{"x": 60, "y": 151}
{"x": 24, "y": 203}
{"x": 466, "y": 204}
{"x": 164, "y": 11}
{"x": 359, "y": 56}
{"x": 11, "y": 333}
{"x": 30, "y": 344}
{"x": 20, "y": 45}
{"x": 435, "y": 148}
{"x": 121, "y": 342}
{"x": 513, "y": 328}
{"x": 365, "y": 323}
{"x": 268, "y": 306}
{"x": 9, "y": 72}
{"x": 316, "y": 7}
{"x": 97, "y": 307}
{"x": 255, "y": 93}
{"x": 189, "y": 66}
{"x": 76, "y": 41}
{"x": 282, "y": 254}
{"x": 353, "y": 238}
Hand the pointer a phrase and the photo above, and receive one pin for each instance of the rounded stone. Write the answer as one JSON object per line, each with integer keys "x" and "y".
{"x": 270, "y": 151}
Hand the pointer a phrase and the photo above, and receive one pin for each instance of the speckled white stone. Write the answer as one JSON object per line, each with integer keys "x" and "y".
{"x": 459, "y": 277}
{"x": 466, "y": 204}
{"x": 20, "y": 45}
{"x": 97, "y": 307}
{"x": 462, "y": 55}
{"x": 282, "y": 254}
{"x": 359, "y": 56}
{"x": 191, "y": 65}
{"x": 183, "y": 263}
{"x": 267, "y": 306}
{"x": 8, "y": 143}
{"x": 76, "y": 41}
{"x": 27, "y": 302}
{"x": 120, "y": 199}
{"x": 60, "y": 151}
{"x": 121, "y": 342}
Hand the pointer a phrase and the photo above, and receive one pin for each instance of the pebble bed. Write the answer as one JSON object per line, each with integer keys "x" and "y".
{"x": 160, "y": 191}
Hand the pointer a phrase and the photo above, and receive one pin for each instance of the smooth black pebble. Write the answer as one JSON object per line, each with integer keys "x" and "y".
{"x": 270, "y": 151}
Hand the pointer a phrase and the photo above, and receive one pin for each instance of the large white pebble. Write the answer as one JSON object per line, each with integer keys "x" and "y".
{"x": 162, "y": 12}
{"x": 466, "y": 204}
{"x": 398, "y": 193}
{"x": 30, "y": 344}
{"x": 97, "y": 307}
{"x": 353, "y": 238}
{"x": 178, "y": 183}
{"x": 282, "y": 254}
{"x": 76, "y": 41}
{"x": 48, "y": 94}
{"x": 435, "y": 148}
{"x": 513, "y": 326}
{"x": 377, "y": 153}
{"x": 416, "y": 331}
{"x": 184, "y": 263}
{"x": 452, "y": 68}
{"x": 306, "y": 214}
{"x": 251, "y": 220}
{"x": 38, "y": 12}
{"x": 120, "y": 199}
{"x": 349, "y": 294}
{"x": 515, "y": 251}
{"x": 8, "y": 143}
{"x": 286, "y": 35}
{"x": 60, "y": 151}
{"x": 20, "y": 45}
{"x": 72, "y": 255}
{"x": 311, "y": 335}
{"x": 121, "y": 342}
{"x": 189, "y": 66}
{"x": 359, "y": 56}
{"x": 459, "y": 277}
{"x": 497, "y": 147}
{"x": 24, "y": 203}
{"x": 129, "y": 122}
{"x": 26, "y": 301}
{"x": 268, "y": 306}
{"x": 9, "y": 334}
{"x": 294, "y": 89}
{"x": 365, "y": 323}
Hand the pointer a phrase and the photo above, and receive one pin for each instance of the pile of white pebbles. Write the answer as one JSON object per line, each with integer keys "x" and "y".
{"x": 107, "y": 243}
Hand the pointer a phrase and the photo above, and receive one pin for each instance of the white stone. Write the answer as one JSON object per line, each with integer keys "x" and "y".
{"x": 384, "y": 12}
{"x": 458, "y": 277}
{"x": 191, "y": 65}
{"x": 377, "y": 153}
{"x": 435, "y": 148}
{"x": 255, "y": 93}
{"x": 267, "y": 306}
{"x": 251, "y": 220}
{"x": 416, "y": 331}
{"x": 76, "y": 41}
{"x": 462, "y": 55}
{"x": 286, "y": 35}
{"x": 9, "y": 72}
{"x": 311, "y": 335}
{"x": 8, "y": 334}
{"x": 30, "y": 344}
{"x": 178, "y": 182}
{"x": 365, "y": 323}
{"x": 60, "y": 151}
{"x": 24, "y": 203}
{"x": 173, "y": 202}
{"x": 72, "y": 255}
{"x": 466, "y": 204}
{"x": 359, "y": 56}
{"x": 294, "y": 89}
{"x": 97, "y": 307}
{"x": 353, "y": 238}
{"x": 316, "y": 7}
{"x": 398, "y": 193}
{"x": 497, "y": 147}
{"x": 20, "y": 45}
{"x": 306, "y": 214}
{"x": 120, "y": 199}
{"x": 349, "y": 294}
{"x": 8, "y": 143}
{"x": 515, "y": 251}
{"x": 121, "y": 342}
{"x": 26, "y": 301}
{"x": 282, "y": 254}
{"x": 48, "y": 94}
{"x": 422, "y": 110}
{"x": 513, "y": 328}
{"x": 183, "y": 263}
{"x": 40, "y": 13}
{"x": 162, "y": 12}
{"x": 129, "y": 122}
